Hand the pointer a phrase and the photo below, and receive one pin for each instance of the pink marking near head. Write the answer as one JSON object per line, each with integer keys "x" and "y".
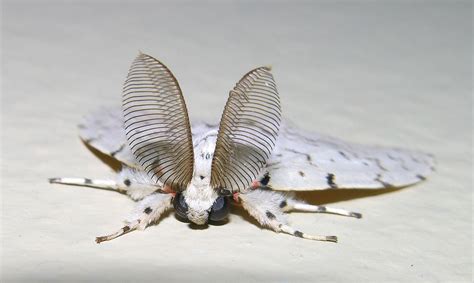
{"x": 255, "y": 184}
{"x": 235, "y": 196}
{"x": 167, "y": 189}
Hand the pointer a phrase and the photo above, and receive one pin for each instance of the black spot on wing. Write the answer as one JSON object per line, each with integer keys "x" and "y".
{"x": 391, "y": 157}
{"x": 127, "y": 182}
{"x": 384, "y": 184}
{"x": 378, "y": 163}
{"x": 421, "y": 177}
{"x": 266, "y": 178}
{"x": 125, "y": 229}
{"x": 330, "y": 179}
{"x": 87, "y": 181}
{"x": 283, "y": 204}
{"x": 113, "y": 153}
{"x": 343, "y": 154}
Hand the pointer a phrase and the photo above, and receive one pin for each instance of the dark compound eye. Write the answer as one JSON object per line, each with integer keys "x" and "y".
{"x": 220, "y": 209}
{"x": 180, "y": 206}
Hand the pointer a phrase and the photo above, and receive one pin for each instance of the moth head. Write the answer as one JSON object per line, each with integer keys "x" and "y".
{"x": 201, "y": 205}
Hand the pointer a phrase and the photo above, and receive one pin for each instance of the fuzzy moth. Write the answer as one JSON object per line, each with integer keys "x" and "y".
{"x": 252, "y": 156}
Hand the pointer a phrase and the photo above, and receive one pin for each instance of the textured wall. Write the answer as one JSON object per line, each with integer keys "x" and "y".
{"x": 386, "y": 73}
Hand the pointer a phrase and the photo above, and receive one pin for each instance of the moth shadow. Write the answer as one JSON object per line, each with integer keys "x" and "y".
{"x": 113, "y": 163}
{"x": 338, "y": 195}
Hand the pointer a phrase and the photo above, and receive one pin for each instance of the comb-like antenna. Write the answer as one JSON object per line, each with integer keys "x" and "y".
{"x": 247, "y": 132}
{"x": 157, "y": 124}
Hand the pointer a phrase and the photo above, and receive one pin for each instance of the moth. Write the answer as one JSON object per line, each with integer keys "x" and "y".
{"x": 251, "y": 157}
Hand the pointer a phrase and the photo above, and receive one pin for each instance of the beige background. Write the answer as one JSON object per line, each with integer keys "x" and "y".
{"x": 388, "y": 73}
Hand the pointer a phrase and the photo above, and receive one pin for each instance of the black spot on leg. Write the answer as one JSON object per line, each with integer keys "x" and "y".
{"x": 322, "y": 209}
{"x": 148, "y": 210}
{"x": 127, "y": 182}
{"x": 87, "y": 181}
{"x": 270, "y": 215}
{"x": 125, "y": 229}
{"x": 330, "y": 178}
{"x": 355, "y": 214}
{"x": 283, "y": 204}
{"x": 298, "y": 234}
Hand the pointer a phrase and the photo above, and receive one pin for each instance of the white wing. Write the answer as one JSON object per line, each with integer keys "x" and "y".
{"x": 104, "y": 130}
{"x": 305, "y": 161}
{"x": 301, "y": 161}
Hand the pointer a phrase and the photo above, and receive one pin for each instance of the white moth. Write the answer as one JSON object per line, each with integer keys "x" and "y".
{"x": 251, "y": 157}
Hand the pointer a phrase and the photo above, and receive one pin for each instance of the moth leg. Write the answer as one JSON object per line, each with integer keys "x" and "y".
{"x": 148, "y": 210}
{"x": 135, "y": 183}
{"x": 291, "y": 204}
{"x": 264, "y": 207}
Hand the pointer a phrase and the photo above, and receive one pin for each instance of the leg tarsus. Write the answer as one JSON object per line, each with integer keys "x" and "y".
{"x": 86, "y": 182}
{"x": 296, "y": 205}
{"x": 264, "y": 207}
{"x": 124, "y": 230}
{"x": 147, "y": 211}
{"x": 289, "y": 230}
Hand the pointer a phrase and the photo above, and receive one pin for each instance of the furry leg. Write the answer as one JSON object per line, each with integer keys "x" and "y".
{"x": 133, "y": 182}
{"x": 263, "y": 205}
{"x": 147, "y": 211}
{"x": 291, "y": 204}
